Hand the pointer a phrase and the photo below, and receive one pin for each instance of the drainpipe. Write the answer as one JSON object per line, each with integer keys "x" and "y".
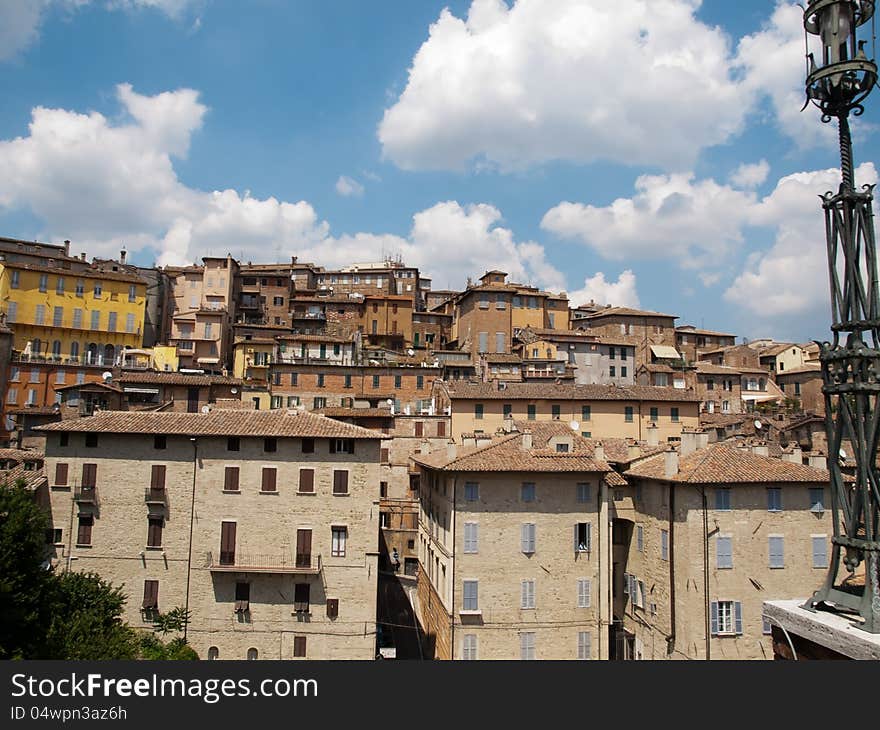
{"x": 452, "y": 598}
{"x": 706, "y": 572}
{"x": 671, "y": 640}
{"x": 192, "y": 512}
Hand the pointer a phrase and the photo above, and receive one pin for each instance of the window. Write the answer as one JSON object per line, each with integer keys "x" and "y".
{"x": 347, "y": 381}
{"x": 583, "y": 492}
{"x": 320, "y": 381}
{"x": 724, "y": 552}
{"x": 555, "y": 412}
{"x": 420, "y": 382}
{"x": 332, "y": 608}
{"x": 582, "y": 537}
{"x": 820, "y": 550}
{"x": 132, "y": 293}
{"x": 150, "y": 603}
{"x": 664, "y": 544}
{"x": 398, "y": 381}
{"x": 484, "y": 301}
{"x": 584, "y": 597}
{"x": 584, "y": 645}
{"x": 269, "y": 483}
{"x": 80, "y": 287}
{"x": 92, "y": 440}
{"x": 84, "y": 530}
{"x": 471, "y": 537}
{"x": 270, "y": 445}
{"x": 527, "y": 538}
{"x": 655, "y": 415}
{"x": 299, "y": 646}
{"x": 469, "y": 647}
{"x": 60, "y": 475}
{"x": 726, "y": 618}
{"x": 154, "y": 532}
{"x": 527, "y": 645}
{"x": 111, "y": 322}
{"x": 40, "y": 315}
{"x": 586, "y": 413}
{"x": 160, "y": 441}
{"x": 44, "y": 282}
{"x": 628, "y": 414}
{"x": 531, "y": 410}
{"x": 612, "y": 353}
{"x": 776, "y": 548}
{"x": 640, "y": 538}
{"x": 722, "y": 499}
{"x": 471, "y": 491}
{"x": 817, "y": 499}
{"x": 15, "y": 279}
{"x": 500, "y": 342}
{"x": 338, "y": 537}
{"x": 340, "y": 481}
{"x": 294, "y": 378}
{"x": 527, "y": 594}
{"x": 12, "y": 312}
{"x": 483, "y": 342}
{"x": 375, "y": 381}
{"x": 623, "y": 371}
{"x": 97, "y": 290}
{"x": 57, "y": 316}
{"x": 470, "y": 601}
{"x": 774, "y": 499}
{"x": 301, "y": 597}
{"x": 612, "y": 371}
{"x": 478, "y": 411}
{"x": 233, "y": 443}
{"x": 341, "y": 446}
{"x": 797, "y": 388}
{"x": 674, "y": 414}
{"x": 766, "y": 627}
{"x": 307, "y": 481}
{"x": 213, "y": 653}
{"x": 230, "y": 479}
{"x": 527, "y": 492}
{"x": 308, "y": 446}
{"x": 710, "y": 384}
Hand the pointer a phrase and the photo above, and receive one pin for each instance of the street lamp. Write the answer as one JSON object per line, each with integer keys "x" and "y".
{"x": 837, "y": 83}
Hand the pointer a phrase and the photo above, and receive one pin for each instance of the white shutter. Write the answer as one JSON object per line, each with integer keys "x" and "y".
{"x": 584, "y": 593}
{"x": 584, "y": 649}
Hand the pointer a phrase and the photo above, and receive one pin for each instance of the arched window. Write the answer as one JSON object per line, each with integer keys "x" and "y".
{"x": 74, "y": 350}
{"x": 36, "y": 346}
{"x": 109, "y": 354}
{"x": 213, "y": 653}
{"x": 56, "y": 348}
{"x": 252, "y": 653}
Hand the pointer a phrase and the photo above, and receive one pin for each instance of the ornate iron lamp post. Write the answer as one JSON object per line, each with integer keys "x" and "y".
{"x": 837, "y": 84}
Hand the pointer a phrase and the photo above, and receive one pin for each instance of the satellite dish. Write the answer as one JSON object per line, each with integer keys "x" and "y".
{"x": 233, "y": 390}
{"x": 574, "y": 425}
{"x": 759, "y": 425}
{"x": 206, "y": 409}
{"x": 107, "y": 375}
{"x": 390, "y": 401}
{"x": 410, "y": 352}
{"x": 843, "y": 453}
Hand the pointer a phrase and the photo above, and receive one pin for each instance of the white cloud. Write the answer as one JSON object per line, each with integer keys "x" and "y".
{"x": 620, "y": 293}
{"x": 670, "y": 216}
{"x": 571, "y": 79}
{"x": 20, "y": 20}
{"x": 104, "y": 185}
{"x": 348, "y": 187}
{"x": 791, "y": 277}
{"x": 750, "y": 175}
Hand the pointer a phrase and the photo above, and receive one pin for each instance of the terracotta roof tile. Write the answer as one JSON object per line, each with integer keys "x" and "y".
{"x": 277, "y": 423}
{"x": 626, "y": 311}
{"x": 568, "y": 391}
{"x": 160, "y": 378}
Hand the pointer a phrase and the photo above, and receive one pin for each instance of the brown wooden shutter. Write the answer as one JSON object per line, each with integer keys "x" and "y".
{"x": 89, "y": 475}
{"x": 441, "y": 428}
{"x": 301, "y": 595}
{"x": 303, "y": 548}
{"x": 383, "y": 455}
{"x": 332, "y": 607}
{"x": 269, "y": 476}
{"x": 299, "y": 646}
{"x": 340, "y": 481}
{"x": 308, "y": 446}
{"x": 61, "y": 475}
{"x": 306, "y": 480}
{"x": 84, "y": 533}
{"x": 154, "y": 532}
{"x": 157, "y": 477}
{"x": 227, "y": 543}
{"x": 420, "y": 428}
{"x": 332, "y": 446}
{"x": 242, "y": 597}
{"x": 151, "y": 594}
{"x": 230, "y": 483}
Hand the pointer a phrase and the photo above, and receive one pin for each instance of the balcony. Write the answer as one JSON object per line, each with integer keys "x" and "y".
{"x": 86, "y": 495}
{"x": 263, "y": 563}
{"x": 154, "y": 496}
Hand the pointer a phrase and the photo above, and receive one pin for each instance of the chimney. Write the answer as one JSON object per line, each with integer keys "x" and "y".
{"x": 122, "y": 256}
{"x": 633, "y": 451}
{"x": 598, "y": 451}
{"x": 66, "y": 247}
{"x": 818, "y": 461}
{"x": 761, "y": 450}
{"x": 468, "y": 441}
{"x": 653, "y": 436}
{"x": 797, "y": 455}
{"x": 671, "y": 462}
{"x": 527, "y": 440}
{"x": 451, "y": 450}
{"x": 688, "y": 442}
{"x": 82, "y": 256}
{"x": 508, "y": 425}
{"x": 425, "y": 447}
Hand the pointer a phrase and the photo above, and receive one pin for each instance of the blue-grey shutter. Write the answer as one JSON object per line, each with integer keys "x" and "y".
{"x": 589, "y": 536}
{"x": 524, "y": 594}
{"x": 626, "y": 584}
{"x": 524, "y": 538}
{"x": 575, "y": 536}
{"x": 738, "y": 616}
{"x": 777, "y": 552}
{"x": 714, "y": 618}
{"x": 820, "y": 553}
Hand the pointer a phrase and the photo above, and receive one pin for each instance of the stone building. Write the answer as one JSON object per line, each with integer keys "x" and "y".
{"x": 714, "y": 531}
{"x": 262, "y": 524}
{"x": 803, "y": 385}
{"x": 693, "y": 341}
{"x": 263, "y": 294}
{"x": 719, "y": 388}
{"x": 514, "y": 559}
{"x": 644, "y": 327}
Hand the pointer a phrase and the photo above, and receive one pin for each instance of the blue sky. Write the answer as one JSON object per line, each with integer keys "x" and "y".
{"x": 653, "y": 155}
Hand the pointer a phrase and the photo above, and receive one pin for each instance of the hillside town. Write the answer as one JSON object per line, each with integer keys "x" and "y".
{"x": 350, "y": 464}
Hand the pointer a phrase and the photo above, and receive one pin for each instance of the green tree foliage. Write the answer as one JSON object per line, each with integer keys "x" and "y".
{"x": 44, "y": 615}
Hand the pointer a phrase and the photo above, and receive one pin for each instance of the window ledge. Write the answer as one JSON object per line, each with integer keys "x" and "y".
{"x": 469, "y": 612}
{"x": 154, "y": 548}
{"x": 231, "y": 491}
{"x": 262, "y": 491}
{"x": 342, "y": 494}
{"x": 82, "y": 545}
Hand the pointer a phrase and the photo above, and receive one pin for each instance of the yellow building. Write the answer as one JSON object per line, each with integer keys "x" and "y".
{"x": 251, "y": 359}
{"x": 68, "y": 315}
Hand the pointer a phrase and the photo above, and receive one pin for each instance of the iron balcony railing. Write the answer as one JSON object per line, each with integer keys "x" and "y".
{"x": 86, "y": 495}
{"x": 304, "y": 564}
{"x": 155, "y": 495}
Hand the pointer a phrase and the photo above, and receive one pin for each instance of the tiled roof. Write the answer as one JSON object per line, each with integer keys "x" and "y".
{"x": 15, "y": 459}
{"x": 723, "y": 464}
{"x": 724, "y": 419}
{"x": 78, "y": 274}
{"x": 814, "y": 369}
{"x": 568, "y": 391}
{"x": 33, "y": 411}
{"x": 314, "y": 338}
{"x": 354, "y": 412}
{"x": 776, "y": 349}
{"x": 653, "y": 367}
{"x": 627, "y": 312}
{"x": 708, "y": 368}
{"x": 160, "y": 378}
{"x": 690, "y": 330}
{"x": 502, "y": 358}
{"x": 277, "y": 423}
{"x": 506, "y": 454}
